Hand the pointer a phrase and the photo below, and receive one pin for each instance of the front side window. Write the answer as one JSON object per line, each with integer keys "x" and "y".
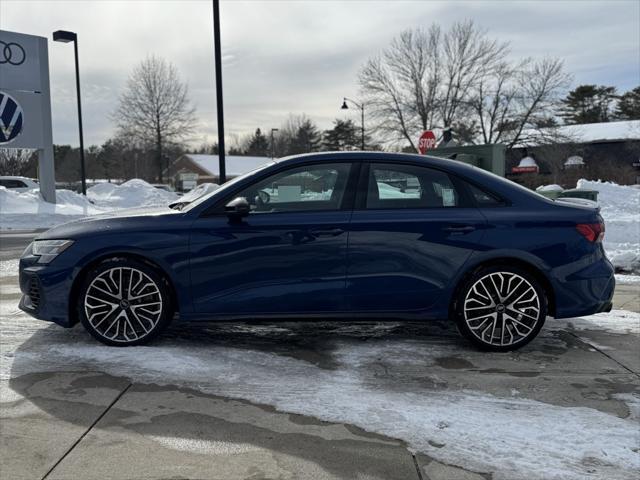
{"x": 409, "y": 186}
{"x": 311, "y": 187}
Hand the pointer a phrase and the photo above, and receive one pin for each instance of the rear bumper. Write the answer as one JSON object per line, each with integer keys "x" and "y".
{"x": 586, "y": 291}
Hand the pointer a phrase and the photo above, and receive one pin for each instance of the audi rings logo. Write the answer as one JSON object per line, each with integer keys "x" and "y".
{"x": 11, "y": 118}
{"x": 12, "y": 53}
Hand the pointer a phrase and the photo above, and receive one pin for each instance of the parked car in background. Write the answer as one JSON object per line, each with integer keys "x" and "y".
{"x": 18, "y": 184}
{"x": 336, "y": 235}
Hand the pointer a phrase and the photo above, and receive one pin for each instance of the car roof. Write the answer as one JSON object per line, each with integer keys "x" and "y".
{"x": 15, "y": 177}
{"x": 372, "y": 156}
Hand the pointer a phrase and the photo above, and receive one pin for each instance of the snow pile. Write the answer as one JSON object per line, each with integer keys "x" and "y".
{"x": 27, "y": 210}
{"x": 550, "y": 188}
{"x": 134, "y": 193}
{"x": 620, "y": 208}
{"x": 30, "y": 202}
{"x": 199, "y": 191}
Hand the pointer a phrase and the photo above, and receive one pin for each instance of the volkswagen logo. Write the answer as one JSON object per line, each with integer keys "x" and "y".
{"x": 11, "y": 53}
{"x": 11, "y": 118}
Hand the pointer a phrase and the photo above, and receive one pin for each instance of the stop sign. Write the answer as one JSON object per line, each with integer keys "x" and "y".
{"x": 427, "y": 142}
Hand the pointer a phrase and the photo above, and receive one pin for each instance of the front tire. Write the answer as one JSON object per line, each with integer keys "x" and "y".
{"x": 124, "y": 302}
{"x": 500, "y": 308}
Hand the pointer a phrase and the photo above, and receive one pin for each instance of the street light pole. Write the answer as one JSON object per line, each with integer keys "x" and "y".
{"x": 361, "y": 107}
{"x": 222, "y": 177}
{"x": 66, "y": 37}
{"x": 273, "y": 148}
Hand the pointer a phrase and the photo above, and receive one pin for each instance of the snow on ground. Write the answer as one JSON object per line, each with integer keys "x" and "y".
{"x": 616, "y": 321}
{"x": 620, "y": 208}
{"x": 512, "y": 436}
{"x": 627, "y": 279}
{"x": 27, "y": 210}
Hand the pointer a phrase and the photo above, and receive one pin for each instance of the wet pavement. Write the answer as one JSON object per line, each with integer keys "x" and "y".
{"x": 316, "y": 400}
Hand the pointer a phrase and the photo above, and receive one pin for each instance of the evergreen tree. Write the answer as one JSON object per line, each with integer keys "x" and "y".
{"x": 629, "y": 105}
{"x": 343, "y": 136}
{"x": 258, "y": 145}
{"x": 305, "y": 139}
{"x": 588, "y": 104}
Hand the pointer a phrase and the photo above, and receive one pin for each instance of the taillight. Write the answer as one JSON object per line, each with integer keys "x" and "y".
{"x": 594, "y": 232}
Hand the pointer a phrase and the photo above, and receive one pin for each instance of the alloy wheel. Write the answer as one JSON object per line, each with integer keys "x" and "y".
{"x": 501, "y": 309}
{"x": 123, "y": 304}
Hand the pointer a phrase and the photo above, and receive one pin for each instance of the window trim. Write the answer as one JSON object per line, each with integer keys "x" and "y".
{"x": 217, "y": 209}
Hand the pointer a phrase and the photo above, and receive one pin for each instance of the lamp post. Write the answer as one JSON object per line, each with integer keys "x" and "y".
{"x": 222, "y": 177}
{"x": 273, "y": 148}
{"x": 66, "y": 37}
{"x": 361, "y": 107}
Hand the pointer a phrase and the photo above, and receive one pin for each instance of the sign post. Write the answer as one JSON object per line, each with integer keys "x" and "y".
{"x": 426, "y": 142}
{"x": 25, "y": 102}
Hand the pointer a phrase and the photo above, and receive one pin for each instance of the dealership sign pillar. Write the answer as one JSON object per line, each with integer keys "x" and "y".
{"x": 25, "y": 102}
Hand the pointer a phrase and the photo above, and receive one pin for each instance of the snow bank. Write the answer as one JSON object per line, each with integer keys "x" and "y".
{"x": 550, "y": 188}
{"x": 199, "y": 191}
{"x": 28, "y": 210}
{"x": 134, "y": 193}
{"x": 620, "y": 208}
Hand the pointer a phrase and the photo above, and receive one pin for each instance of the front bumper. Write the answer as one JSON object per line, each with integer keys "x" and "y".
{"x": 46, "y": 291}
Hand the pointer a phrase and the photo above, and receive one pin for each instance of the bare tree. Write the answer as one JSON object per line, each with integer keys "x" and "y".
{"x": 155, "y": 107}
{"x": 515, "y": 103}
{"x": 17, "y": 161}
{"x": 425, "y": 78}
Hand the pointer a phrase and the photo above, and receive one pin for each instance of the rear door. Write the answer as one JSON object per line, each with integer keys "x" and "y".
{"x": 412, "y": 230}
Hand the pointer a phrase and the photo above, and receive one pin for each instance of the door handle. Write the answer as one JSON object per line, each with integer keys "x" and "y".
{"x": 459, "y": 228}
{"x": 330, "y": 232}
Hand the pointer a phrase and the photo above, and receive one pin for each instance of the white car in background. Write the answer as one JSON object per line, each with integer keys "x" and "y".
{"x": 18, "y": 184}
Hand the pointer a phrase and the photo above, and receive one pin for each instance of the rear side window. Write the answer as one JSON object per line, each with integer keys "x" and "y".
{"x": 483, "y": 198}
{"x": 409, "y": 186}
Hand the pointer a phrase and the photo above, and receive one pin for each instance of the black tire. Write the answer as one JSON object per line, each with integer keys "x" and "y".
{"x": 487, "y": 327}
{"x": 138, "y": 318}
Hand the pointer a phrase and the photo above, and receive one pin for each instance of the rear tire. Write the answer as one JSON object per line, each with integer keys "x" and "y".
{"x": 500, "y": 308}
{"x": 124, "y": 302}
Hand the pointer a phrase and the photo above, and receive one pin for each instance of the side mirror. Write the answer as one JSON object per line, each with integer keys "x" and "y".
{"x": 237, "y": 208}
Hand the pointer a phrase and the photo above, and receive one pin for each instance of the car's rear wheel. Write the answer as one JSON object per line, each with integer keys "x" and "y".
{"x": 500, "y": 308}
{"x": 124, "y": 302}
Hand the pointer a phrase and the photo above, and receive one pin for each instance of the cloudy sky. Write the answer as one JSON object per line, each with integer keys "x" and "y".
{"x": 296, "y": 56}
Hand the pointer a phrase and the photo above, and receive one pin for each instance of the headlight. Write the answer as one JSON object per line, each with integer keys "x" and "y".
{"x": 47, "y": 250}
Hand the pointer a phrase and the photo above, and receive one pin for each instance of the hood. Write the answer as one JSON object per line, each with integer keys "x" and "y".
{"x": 126, "y": 219}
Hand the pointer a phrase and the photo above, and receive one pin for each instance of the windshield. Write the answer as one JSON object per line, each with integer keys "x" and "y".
{"x": 225, "y": 187}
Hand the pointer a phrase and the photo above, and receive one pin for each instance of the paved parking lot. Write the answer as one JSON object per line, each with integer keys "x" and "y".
{"x": 319, "y": 400}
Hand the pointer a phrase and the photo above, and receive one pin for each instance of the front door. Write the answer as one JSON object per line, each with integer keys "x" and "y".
{"x": 409, "y": 236}
{"x": 287, "y": 256}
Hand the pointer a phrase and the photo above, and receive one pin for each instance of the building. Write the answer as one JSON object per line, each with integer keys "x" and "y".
{"x": 190, "y": 169}
{"x": 606, "y": 151}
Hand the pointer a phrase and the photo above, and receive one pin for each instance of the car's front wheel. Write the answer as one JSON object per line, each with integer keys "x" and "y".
{"x": 124, "y": 302}
{"x": 500, "y": 308}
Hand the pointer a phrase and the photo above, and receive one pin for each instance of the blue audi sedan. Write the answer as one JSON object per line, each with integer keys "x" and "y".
{"x": 334, "y": 235}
